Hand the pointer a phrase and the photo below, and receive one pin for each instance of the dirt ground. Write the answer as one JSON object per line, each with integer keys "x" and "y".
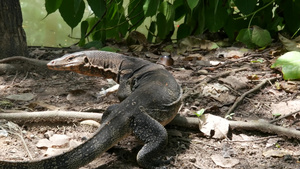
{"x": 42, "y": 90}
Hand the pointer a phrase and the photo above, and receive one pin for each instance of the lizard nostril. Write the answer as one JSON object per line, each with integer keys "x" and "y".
{"x": 86, "y": 60}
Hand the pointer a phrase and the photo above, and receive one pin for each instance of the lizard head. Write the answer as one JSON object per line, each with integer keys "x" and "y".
{"x": 71, "y": 62}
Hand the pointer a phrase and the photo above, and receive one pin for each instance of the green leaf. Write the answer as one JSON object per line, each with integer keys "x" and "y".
{"x": 184, "y": 30}
{"x": 110, "y": 49}
{"x": 77, "y": 5}
{"x": 52, "y": 5}
{"x": 260, "y": 60}
{"x": 192, "y": 4}
{"x": 94, "y": 44}
{"x": 115, "y": 23}
{"x": 136, "y": 12}
{"x": 200, "y": 112}
{"x": 98, "y": 7}
{"x": 180, "y": 10}
{"x": 83, "y": 27}
{"x": 150, "y": 7}
{"x": 261, "y": 37}
{"x": 216, "y": 15}
{"x": 161, "y": 26}
{"x": 151, "y": 32}
{"x": 245, "y": 6}
{"x": 70, "y": 14}
{"x": 168, "y": 10}
{"x": 291, "y": 15}
{"x": 245, "y": 37}
{"x": 289, "y": 64}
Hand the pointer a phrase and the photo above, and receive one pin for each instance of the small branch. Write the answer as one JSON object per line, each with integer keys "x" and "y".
{"x": 260, "y": 125}
{"x": 237, "y": 60}
{"x": 240, "y": 99}
{"x": 208, "y": 79}
{"x": 265, "y": 127}
{"x": 188, "y": 122}
{"x": 295, "y": 112}
{"x": 52, "y": 116}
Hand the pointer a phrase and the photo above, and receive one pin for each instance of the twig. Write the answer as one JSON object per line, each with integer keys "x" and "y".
{"x": 13, "y": 81}
{"x": 240, "y": 99}
{"x": 260, "y": 125}
{"x": 295, "y": 112}
{"x": 13, "y": 128}
{"x": 52, "y": 116}
{"x": 24, "y": 143}
{"x": 237, "y": 60}
{"x": 208, "y": 79}
{"x": 24, "y": 77}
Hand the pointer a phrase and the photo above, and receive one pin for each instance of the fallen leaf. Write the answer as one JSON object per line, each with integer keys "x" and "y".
{"x": 224, "y": 162}
{"x": 59, "y": 140}
{"x": 218, "y": 92}
{"x": 54, "y": 151}
{"x": 44, "y": 143}
{"x": 277, "y": 153}
{"x": 290, "y": 45}
{"x": 213, "y": 126}
{"x": 236, "y": 83}
{"x": 21, "y": 97}
{"x": 90, "y": 123}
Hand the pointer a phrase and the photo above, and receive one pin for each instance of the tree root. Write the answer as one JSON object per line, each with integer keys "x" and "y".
{"x": 8, "y": 65}
{"x": 187, "y": 122}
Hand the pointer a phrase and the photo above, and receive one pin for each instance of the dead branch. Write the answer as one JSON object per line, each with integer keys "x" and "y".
{"x": 187, "y": 122}
{"x": 51, "y": 116}
{"x": 241, "y": 98}
{"x": 208, "y": 79}
{"x": 260, "y": 125}
{"x": 282, "y": 117}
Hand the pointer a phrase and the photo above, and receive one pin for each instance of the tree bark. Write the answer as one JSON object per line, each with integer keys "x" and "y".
{"x": 12, "y": 35}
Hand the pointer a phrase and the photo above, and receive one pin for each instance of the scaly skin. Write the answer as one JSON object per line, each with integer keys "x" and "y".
{"x": 150, "y": 99}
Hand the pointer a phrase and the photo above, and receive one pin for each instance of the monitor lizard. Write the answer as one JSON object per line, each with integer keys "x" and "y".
{"x": 149, "y": 99}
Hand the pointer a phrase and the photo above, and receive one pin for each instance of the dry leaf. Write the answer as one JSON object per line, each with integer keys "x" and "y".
{"x": 277, "y": 153}
{"x": 290, "y": 45}
{"x": 59, "y": 140}
{"x": 44, "y": 143}
{"x": 213, "y": 126}
{"x": 224, "y": 162}
{"x": 21, "y": 97}
{"x": 90, "y": 123}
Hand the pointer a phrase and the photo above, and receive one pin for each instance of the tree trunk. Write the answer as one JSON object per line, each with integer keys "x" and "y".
{"x": 12, "y": 35}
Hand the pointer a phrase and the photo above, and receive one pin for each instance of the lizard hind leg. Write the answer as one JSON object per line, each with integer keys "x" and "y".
{"x": 155, "y": 137}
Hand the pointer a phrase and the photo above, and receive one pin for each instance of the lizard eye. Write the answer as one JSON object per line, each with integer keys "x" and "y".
{"x": 70, "y": 59}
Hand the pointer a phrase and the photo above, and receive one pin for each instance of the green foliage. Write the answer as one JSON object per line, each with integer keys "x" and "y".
{"x": 252, "y": 22}
{"x": 289, "y": 64}
{"x": 254, "y": 37}
{"x": 72, "y": 11}
{"x": 200, "y": 112}
{"x": 52, "y": 5}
